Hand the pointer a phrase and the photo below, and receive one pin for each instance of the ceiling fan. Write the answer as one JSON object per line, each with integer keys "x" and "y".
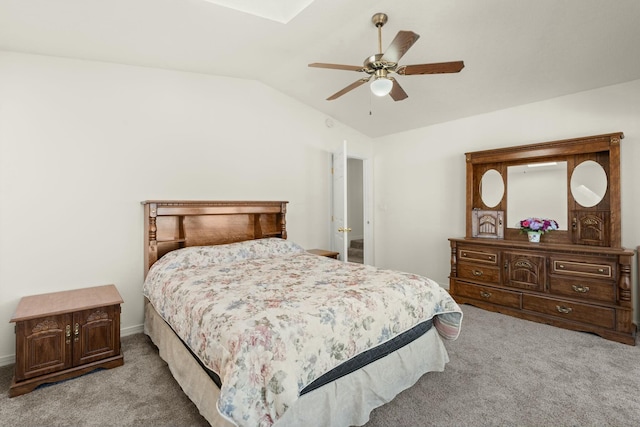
{"x": 379, "y": 66}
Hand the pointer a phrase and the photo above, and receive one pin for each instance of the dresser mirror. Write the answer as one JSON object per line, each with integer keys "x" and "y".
{"x": 575, "y": 182}
{"x": 537, "y": 189}
{"x": 491, "y": 188}
{"x": 588, "y": 183}
{"x": 577, "y": 277}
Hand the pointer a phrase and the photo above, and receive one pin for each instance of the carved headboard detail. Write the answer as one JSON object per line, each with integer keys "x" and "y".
{"x": 175, "y": 224}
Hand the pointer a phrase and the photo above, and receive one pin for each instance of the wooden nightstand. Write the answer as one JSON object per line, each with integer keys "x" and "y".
{"x": 322, "y": 252}
{"x": 65, "y": 334}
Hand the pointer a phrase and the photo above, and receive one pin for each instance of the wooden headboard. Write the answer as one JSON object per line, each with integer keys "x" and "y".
{"x": 174, "y": 224}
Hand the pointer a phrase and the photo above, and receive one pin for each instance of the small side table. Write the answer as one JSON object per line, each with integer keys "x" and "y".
{"x": 62, "y": 335}
{"x": 322, "y": 252}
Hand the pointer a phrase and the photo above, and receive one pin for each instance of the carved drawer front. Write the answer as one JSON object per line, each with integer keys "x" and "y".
{"x": 583, "y": 313}
{"x": 583, "y": 268}
{"x": 583, "y": 289}
{"x": 525, "y": 270}
{"x": 492, "y": 295}
{"x": 479, "y": 273}
{"x": 478, "y": 256}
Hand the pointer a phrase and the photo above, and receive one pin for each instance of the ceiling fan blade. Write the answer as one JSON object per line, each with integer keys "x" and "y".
{"x": 436, "y": 68}
{"x": 349, "y": 88}
{"x": 337, "y": 66}
{"x": 400, "y": 45}
{"x": 397, "y": 93}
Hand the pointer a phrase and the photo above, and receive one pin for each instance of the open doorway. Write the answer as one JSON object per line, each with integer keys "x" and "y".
{"x": 355, "y": 209}
{"x": 352, "y": 207}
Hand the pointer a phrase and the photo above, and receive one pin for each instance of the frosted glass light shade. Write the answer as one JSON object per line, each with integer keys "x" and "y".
{"x": 381, "y": 86}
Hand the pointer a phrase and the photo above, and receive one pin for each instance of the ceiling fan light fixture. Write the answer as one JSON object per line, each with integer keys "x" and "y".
{"x": 381, "y": 86}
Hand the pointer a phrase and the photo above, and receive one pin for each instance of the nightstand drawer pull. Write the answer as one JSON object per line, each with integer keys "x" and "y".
{"x": 67, "y": 333}
{"x": 485, "y": 294}
{"x": 477, "y": 273}
{"x": 563, "y": 309}
{"x": 580, "y": 288}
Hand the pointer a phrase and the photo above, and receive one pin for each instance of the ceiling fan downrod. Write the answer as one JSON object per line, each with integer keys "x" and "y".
{"x": 379, "y": 19}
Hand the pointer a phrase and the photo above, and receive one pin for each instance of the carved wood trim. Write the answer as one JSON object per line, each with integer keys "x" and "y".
{"x": 45, "y": 326}
{"x": 97, "y": 315}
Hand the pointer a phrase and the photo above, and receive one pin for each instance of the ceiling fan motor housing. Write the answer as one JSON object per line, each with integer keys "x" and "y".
{"x": 375, "y": 63}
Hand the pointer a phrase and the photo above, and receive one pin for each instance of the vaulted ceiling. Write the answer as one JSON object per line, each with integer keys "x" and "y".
{"x": 515, "y": 51}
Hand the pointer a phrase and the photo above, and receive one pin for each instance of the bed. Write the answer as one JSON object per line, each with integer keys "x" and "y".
{"x": 259, "y": 332}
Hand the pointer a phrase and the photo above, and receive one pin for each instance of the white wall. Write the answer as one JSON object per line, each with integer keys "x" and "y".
{"x": 420, "y": 175}
{"x": 82, "y": 143}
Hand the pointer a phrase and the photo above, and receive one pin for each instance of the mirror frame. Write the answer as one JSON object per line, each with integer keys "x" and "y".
{"x": 603, "y": 149}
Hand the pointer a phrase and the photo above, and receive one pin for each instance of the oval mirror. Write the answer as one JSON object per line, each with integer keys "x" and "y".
{"x": 491, "y": 188}
{"x": 588, "y": 183}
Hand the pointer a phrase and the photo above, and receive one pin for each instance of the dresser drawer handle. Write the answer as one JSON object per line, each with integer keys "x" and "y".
{"x": 477, "y": 272}
{"x": 485, "y": 294}
{"x": 563, "y": 309}
{"x": 561, "y": 266}
{"x": 581, "y": 289}
{"x": 601, "y": 270}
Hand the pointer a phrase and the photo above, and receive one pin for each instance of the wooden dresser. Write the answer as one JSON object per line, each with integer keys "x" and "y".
{"x": 584, "y": 289}
{"x": 576, "y": 278}
{"x": 65, "y": 334}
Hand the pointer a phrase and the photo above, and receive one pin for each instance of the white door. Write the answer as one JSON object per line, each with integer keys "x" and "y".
{"x": 339, "y": 220}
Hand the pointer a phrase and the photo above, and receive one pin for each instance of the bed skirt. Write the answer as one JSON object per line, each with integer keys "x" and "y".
{"x": 347, "y": 401}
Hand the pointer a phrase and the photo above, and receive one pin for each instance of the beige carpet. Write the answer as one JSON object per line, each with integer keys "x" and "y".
{"x": 503, "y": 372}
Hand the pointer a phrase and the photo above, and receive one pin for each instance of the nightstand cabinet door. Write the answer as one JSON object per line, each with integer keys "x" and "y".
{"x": 43, "y": 345}
{"x": 96, "y": 334}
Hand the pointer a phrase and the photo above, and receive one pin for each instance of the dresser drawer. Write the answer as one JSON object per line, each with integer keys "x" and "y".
{"x": 480, "y": 273}
{"x": 584, "y": 313}
{"x": 478, "y": 255}
{"x": 487, "y": 294}
{"x": 583, "y": 268}
{"x": 583, "y": 289}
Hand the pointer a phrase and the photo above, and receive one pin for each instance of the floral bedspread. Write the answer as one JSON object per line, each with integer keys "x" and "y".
{"x": 269, "y": 318}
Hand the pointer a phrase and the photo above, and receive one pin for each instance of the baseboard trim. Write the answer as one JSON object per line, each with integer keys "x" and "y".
{"x": 131, "y": 330}
{"x": 7, "y": 360}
